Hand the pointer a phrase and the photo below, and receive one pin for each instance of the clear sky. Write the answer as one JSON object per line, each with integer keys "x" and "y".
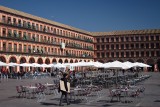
{"x": 94, "y": 15}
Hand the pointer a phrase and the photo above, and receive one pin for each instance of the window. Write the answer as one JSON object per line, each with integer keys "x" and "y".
{"x": 142, "y": 54}
{"x": 137, "y": 54}
{"x": 122, "y": 54}
{"x": 112, "y": 39}
{"x": 117, "y": 46}
{"x": 152, "y": 45}
{"x": 102, "y": 39}
{"x": 4, "y": 19}
{"x": 132, "y": 54}
{"x": 24, "y": 24}
{"x": 122, "y": 39}
{"x": 107, "y": 39}
{"x": 142, "y": 38}
{"x": 158, "y": 53}
{"x": 122, "y": 46}
{"x": 19, "y": 23}
{"x": 127, "y": 39}
{"x": 137, "y": 45}
{"x": 117, "y": 54}
{"x": 10, "y": 47}
{"x": 98, "y": 47}
{"x": 15, "y": 47}
{"x": 142, "y": 45}
{"x": 33, "y": 26}
{"x": 112, "y": 54}
{"x": 157, "y": 37}
{"x": 20, "y": 48}
{"x": 137, "y": 38}
{"x": 152, "y": 53}
{"x": 102, "y": 54}
{"x": 9, "y": 33}
{"x": 152, "y": 38}
{"x": 157, "y": 45}
{"x": 37, "y": 27}
{"x": 107, "y": 46}
{"x": 132, "y": 46}
{"x": 107, "y": 54}
{"x": 9, "y": 20}
{"x": 147, "y": 53}
{"x": 98, "y": 55}
{"x": 117, "y": 39}
{"x": 147, "y": 45}
{"x": 132, "y": 39}
{"x": 14, "y": 21}
{"x": 147, "y": 38}
{"x": 112, "y": 46}
{"x": 25, "y": 48}
{"x": 127, "y": 54}
{"x": 4, "y": 32}
{"x": 98, "y": 40}
{"x": 127, "y": 46}
{"x": 102, "y": 47}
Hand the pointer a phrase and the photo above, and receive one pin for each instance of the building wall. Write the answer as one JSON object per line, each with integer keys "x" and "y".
{"x": 28, "y": 38}
{"x": 129, "y": 47}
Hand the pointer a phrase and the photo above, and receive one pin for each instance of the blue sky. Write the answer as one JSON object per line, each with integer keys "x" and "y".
{"x": 94, "y": 15}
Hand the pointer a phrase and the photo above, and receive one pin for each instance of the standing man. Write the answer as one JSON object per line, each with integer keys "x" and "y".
{"x": 64, "y": 93}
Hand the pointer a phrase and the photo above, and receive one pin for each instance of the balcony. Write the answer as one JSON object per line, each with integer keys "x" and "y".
{"x": 44, "y": 30}
{"x": 39, "y": 52}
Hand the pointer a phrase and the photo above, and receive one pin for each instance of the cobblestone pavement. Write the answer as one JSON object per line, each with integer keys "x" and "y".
{"x": 151, "y": 97}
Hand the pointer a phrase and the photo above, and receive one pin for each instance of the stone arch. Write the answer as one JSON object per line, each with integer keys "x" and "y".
{"x": 140, "y": 60}
{"x": 60, "y": 61}
{"x": 23, "y": 60}
{"x": 2, "y": 59}
{"x": 13, "y": 59}
{"x": 31, "y": 60}
{"x": 40, "y": 61}
{"x": 66, "y": 61}
{"x": 71, "y": 61}
{"x": 151, "y": 63}
{"x": 54, "y": 61}
{"x": 76, "y": 60}
{"x": 47, "y": 61}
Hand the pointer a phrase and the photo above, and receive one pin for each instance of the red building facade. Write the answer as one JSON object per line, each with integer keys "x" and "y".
{"x": 134, "y": 46}
{"x": 25, "y": 38}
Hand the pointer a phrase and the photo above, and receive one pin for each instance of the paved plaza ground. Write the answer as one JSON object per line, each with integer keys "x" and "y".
{"x": 151, "y": 97}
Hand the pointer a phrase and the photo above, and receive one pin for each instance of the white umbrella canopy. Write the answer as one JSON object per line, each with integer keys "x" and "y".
{"x": 116, "y": 65}
{"x": 95, "y": 64}
{"x": 12, "y": 64}
{"x": 130, "y": 64}
{"x": 81, "y": 64}
{"x": 139, "y": 64}
{"x": 25, "y": 65}
{"x": 3, "y": 64}
{"x": 45, "y": 65}
{"x": 35, "y": 65}
{"x": 59, "y": 65}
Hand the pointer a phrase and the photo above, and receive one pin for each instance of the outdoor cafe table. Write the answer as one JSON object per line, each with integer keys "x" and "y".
{"x": 49, "y": 87}
{"x": 31, "y": 90}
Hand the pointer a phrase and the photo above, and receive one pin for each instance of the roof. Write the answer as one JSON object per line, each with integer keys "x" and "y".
{"x": 129, "y": 32}
{"x": 16, "y": 12}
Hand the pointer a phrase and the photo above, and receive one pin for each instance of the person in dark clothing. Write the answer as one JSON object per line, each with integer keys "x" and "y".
{"x": 64, "y": 93}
